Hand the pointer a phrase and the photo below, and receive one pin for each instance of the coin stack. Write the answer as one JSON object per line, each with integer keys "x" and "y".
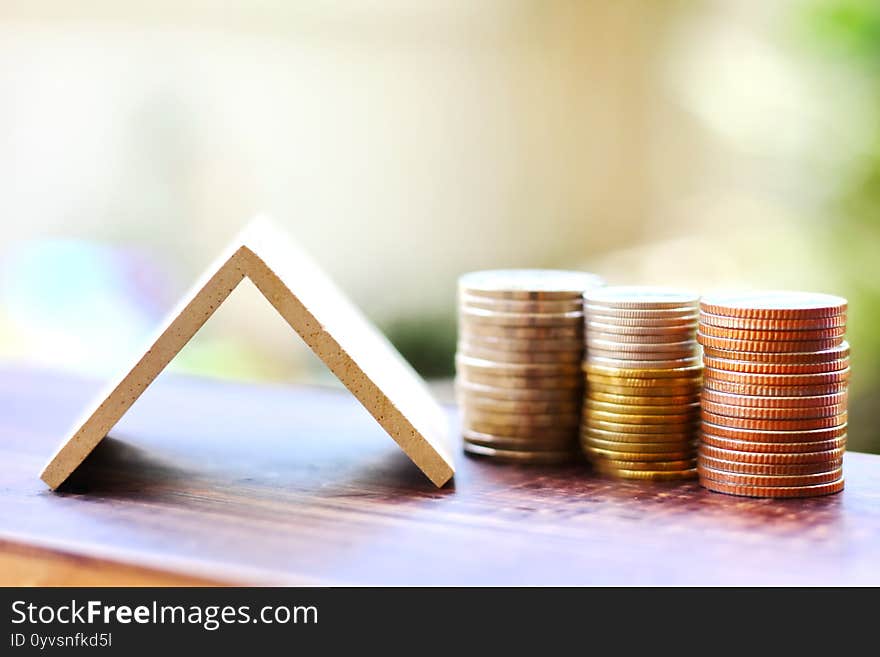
{"x": 641, "y": 407}
{"x": 518, "y": 362}
{"x": 775, "y": 396}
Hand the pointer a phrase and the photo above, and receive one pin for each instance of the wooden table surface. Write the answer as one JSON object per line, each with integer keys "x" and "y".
{"x": 216, "y": 482}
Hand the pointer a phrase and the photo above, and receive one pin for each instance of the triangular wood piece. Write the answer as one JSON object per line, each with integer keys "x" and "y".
{"x": 328, "y": 322}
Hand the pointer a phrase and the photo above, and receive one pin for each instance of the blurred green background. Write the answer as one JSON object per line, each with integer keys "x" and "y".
{"x": 705, "y": 143}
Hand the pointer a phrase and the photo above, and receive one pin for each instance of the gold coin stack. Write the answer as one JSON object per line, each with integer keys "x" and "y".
{"x": 643, "y": 373}
{"x": 518, "y": 376}
{"x": 774, "y": 405}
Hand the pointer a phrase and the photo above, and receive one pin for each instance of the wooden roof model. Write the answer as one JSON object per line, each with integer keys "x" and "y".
{"x": 351, "y": 347}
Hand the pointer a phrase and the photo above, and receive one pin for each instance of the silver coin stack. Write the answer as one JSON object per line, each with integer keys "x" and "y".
{"x": 521, "y": 343}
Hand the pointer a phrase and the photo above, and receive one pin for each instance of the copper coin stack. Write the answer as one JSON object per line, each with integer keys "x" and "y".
{"x": 641, "y": 408}
{"x": 775, "y": 396}
{"x": 518, "y": 363}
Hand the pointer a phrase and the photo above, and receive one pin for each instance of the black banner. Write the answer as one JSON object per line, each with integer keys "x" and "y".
{"x": 327, "y": 620}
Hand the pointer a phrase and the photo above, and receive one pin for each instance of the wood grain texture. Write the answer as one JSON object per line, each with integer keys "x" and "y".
{"x": 21, "y": 565}
{"x": 360, "y": 356}
{"x": 291, "y": 485}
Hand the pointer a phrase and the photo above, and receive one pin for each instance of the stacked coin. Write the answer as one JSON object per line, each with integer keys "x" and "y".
{"x": 518, "y": 362}
{"x": 641, "y": 408}
{"x": 775, "y": 396}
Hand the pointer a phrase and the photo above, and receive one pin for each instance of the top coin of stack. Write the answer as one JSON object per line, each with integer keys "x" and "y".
{"x": 518, "y": 362}
{"x": 775, "y": 393}
{"x": 641, "y": 410}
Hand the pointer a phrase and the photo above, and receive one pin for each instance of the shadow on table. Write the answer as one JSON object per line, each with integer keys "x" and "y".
{"x": 120, "y": 468}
